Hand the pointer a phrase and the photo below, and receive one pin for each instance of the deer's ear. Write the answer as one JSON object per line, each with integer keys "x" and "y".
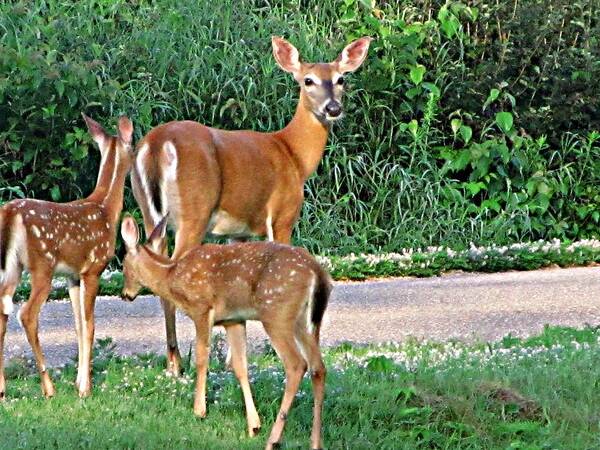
{"x": 125, "y": 129}
{"x": 286, "y": 55}
{"x": 159, "y": 232}
{"x": 130, "y": 233}
{"x": 96, "y": 131}
{"x": 353, "y": 55}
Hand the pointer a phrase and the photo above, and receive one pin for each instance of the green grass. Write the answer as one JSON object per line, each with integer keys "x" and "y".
{"x": 535, "y": 393}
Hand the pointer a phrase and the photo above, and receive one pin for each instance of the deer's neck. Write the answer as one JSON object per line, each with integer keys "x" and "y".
{"x": 111, "y": 184}
{"x": 153, "y": 270}
{"x": 306, "y": 137}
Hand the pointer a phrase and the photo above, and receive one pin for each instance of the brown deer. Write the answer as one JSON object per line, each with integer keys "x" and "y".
{"x": 281, "y": 286}
{"x": 240, "y": 183}
{"x": 76, "y": 239}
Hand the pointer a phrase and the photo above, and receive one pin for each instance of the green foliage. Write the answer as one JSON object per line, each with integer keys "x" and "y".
{"x": 470, "y": 121}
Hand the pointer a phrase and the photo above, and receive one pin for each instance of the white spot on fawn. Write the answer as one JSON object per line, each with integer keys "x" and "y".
{"x": 35, "y": 230}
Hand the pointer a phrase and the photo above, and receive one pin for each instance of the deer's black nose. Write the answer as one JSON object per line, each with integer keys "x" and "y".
{"x": 334, "y": 109}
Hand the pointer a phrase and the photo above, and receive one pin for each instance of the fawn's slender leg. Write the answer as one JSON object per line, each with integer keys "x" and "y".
{"x": 74, "y": 294}
{"x": 29, "y": 314}
{"x": 310, "y": 349}
{"x": 173, "y": 355}
{"x": 203, "y": 324}
{"x": 295, "y": 366}
{"x": 87, "y": 301}
{"x": 6, "y": 295}
{"x": 3, "y": 322}
{"x": 236, "y": 335}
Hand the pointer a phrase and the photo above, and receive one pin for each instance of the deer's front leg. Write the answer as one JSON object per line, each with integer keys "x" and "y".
{"x": 87, "y": 297}
{"x": 203, "y": 324}
{"x": 236, "y": 335}
{"x": 3, "y": 321}
{"x": 74, "y": 295}
{"x": 173, "y": 355}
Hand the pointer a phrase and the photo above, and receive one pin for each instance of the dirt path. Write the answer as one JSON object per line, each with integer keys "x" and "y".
{"x": 462, "y": 306}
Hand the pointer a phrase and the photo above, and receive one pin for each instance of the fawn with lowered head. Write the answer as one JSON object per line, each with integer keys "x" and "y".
{"x": 75, "y": 238}
{"x": 283, "y": 287}
{"x": 240, "y": 183}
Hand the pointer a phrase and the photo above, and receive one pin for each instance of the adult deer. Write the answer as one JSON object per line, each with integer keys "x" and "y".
{"x": 240, "y": 183}
{"x": 282, "y": 286}
{"x": 77, "y": 239}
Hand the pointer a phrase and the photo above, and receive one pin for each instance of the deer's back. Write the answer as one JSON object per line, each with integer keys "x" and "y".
{"x": 235, "y": 178}
{"x": 250, "y": 279}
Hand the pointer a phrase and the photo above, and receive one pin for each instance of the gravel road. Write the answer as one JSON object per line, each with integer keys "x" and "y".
{"x": 456, "y": 306}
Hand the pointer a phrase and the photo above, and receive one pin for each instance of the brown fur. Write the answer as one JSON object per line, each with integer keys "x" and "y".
{"x": 77, "y": 238}
{"x": 250, "y": 178}
{"x": 283, "y": 287}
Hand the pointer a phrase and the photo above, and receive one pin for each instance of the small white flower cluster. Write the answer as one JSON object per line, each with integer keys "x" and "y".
{"x": 409, "y": 260}
{"x": 410, "y": 356}
{"x": 419, "y": 258}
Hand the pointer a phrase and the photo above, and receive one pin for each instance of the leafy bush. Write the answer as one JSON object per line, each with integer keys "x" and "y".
{"x": 471, "y": 121}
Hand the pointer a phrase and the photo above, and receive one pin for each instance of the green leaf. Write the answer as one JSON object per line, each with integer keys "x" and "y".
{"x": 455, "y": 124}
{"x": 504, "y": 120}
{"x": 474, "y": 187}
{"x": 448, "y": 22}
{"x": 413, "y": 126}
{"x": 416, "y": 73}
{"x": 60, "y": 87}
{"x": 490, "y": 203}
{"x": 432, "y": 88}
{"x": 380, "y": 364}
{"x": 491, "y": 97}
{"x": 55, "y": 193}
{"x": 466, "y": 132}
{"x": 413, "y": 92}
{"x": 464, "y": 158}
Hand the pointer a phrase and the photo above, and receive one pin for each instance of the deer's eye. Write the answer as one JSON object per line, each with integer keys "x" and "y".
{"x": 340, "y": 81}
{"x": 308, "y": 81}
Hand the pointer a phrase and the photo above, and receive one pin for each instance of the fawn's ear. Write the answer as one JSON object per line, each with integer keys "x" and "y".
{"x": 286, "y": 55}
{"x": 353, "y": 55}
{"x": 96, "y": 131}
{"x": 159, "y": 232}
{"x": 130, "y": 233}
{"x": 125, "y": 129}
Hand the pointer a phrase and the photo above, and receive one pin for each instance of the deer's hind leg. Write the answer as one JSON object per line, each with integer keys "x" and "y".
{"x": 309, "y": 346}
{"x": 282, "y": 339}
{"x": 29, "y": 315}
{"x": 7, "y": 291}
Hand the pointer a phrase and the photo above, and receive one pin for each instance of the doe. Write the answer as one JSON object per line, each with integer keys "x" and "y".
{"x": 77, "y": 239}
{"x": 240, "y": 183}
{"x": 284, "y": 287}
